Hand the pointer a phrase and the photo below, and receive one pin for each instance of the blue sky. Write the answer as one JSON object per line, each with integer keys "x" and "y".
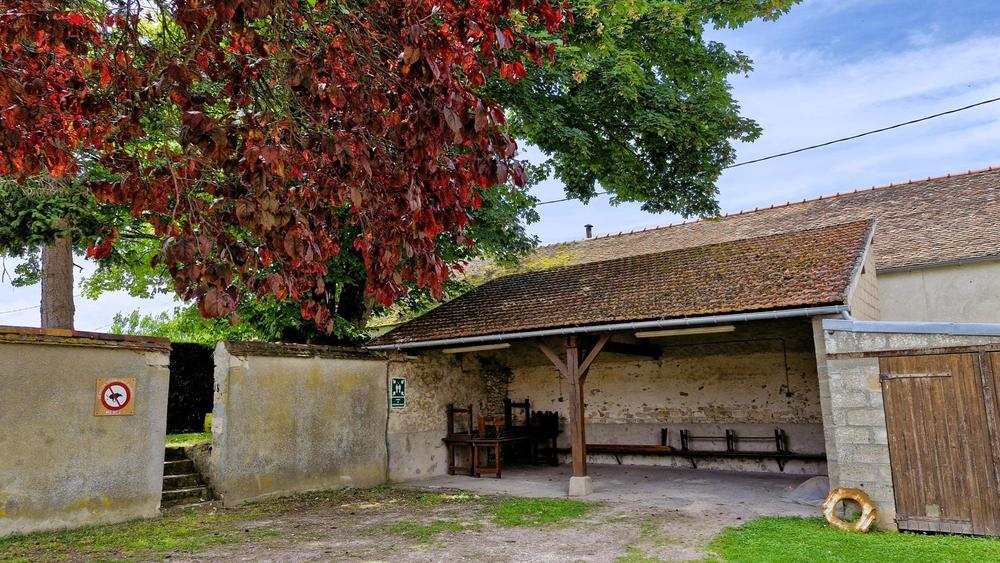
{"x": 828, "y": 69}
{"x": 832, "y": 68}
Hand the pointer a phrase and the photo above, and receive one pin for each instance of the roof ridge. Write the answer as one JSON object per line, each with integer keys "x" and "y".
{"x": 890, "y": 185}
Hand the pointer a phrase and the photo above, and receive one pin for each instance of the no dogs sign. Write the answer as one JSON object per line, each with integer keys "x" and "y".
{"x": 115, "y": 396}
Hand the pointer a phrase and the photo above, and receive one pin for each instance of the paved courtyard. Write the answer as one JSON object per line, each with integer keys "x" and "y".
{"x": 695, "y": 491}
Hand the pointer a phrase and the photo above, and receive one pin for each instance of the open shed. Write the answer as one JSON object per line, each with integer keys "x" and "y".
{"x": 703, "y": 356}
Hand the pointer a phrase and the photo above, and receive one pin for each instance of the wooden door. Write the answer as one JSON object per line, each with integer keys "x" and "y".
{"x": 943, "y": 442}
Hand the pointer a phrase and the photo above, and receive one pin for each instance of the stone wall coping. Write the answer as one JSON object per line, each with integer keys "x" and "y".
{"x": 66, "y": 337}
{"x": 285, "y": 349}
{"x": 895, "y": 327}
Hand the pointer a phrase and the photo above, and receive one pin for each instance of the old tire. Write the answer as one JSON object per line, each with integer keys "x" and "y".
{"x": 868, "y": 511}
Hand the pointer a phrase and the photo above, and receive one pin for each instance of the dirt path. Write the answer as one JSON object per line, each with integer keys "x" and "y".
{"x": 395, "y": 525}
{"x": 400, "y": 525}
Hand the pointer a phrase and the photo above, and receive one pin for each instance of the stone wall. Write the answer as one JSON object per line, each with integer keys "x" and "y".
{"x": 757, "y": 378}
{"x": 293, "y": 418}
{"x": 858, "y": 446}
{"x": 433, "y": 380}
{"x": 62, "y": 466}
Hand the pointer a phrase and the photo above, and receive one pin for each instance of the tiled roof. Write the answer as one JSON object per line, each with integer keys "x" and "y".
{"x": 800, "y": 269}
{"x": 922, "y": 222}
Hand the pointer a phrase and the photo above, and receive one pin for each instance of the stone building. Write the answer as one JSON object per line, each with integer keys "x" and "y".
{"x": 666, "y": 335}
{"x": 856, "y": 336}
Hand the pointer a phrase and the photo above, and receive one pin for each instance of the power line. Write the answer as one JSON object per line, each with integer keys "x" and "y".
{"x": 866, "y": 133}
{"x": 29, "y": 308}
{"x": 19, "y": 310}
{"x": 833, "y": 142}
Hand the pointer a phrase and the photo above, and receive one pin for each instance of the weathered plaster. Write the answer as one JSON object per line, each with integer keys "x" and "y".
{"x": 284, "y": 423}
{"x": 966, "y": 293}
{"x": 415, "y": 433}
{"x": 61, "y": 466}
{"x": 704, "y": 383}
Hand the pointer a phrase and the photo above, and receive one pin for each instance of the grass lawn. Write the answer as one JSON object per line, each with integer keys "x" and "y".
{"x": 534, "y": 512}
{"x": 810, "y": 539}
{"x": 188, "y": 531}
{"x": 191, "y": 439}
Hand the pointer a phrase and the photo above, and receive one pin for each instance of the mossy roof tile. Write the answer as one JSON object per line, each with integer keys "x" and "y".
{"x": 922, "y": 222}
{"x": 797, "y": 269}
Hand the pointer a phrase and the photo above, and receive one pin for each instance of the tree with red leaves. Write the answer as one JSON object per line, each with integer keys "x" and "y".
{"x": 253, "y": 135}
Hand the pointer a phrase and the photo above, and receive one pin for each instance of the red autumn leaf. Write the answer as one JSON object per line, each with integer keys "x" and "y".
{"x": 261, "y": 190}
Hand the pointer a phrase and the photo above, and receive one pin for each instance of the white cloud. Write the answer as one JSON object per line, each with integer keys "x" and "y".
{"x": 802, "y": 97}
{"x": 802, "y": 104}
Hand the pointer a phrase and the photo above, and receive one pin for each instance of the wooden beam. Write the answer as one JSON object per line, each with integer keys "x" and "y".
{"x": 554, "y": 358}
{"x": 575, "y": 372}
{"x": 585, "y": 366}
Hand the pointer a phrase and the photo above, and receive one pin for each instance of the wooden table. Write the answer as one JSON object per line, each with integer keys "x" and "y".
{"x": 476, "y": 446}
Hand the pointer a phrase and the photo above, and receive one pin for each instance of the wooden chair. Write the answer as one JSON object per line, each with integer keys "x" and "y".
{"x": 460, "y": 435}
{"x": 517, "y": 415}
{"x": 491, "y": 427}
{"x": 544, "y": 432}
{"x": 487, "y": 445}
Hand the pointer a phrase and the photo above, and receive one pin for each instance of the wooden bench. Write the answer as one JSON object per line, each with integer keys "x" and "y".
{"x": 780, "y": 454}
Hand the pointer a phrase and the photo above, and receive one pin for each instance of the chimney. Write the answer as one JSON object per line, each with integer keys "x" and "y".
{"x": 590, "y": 230}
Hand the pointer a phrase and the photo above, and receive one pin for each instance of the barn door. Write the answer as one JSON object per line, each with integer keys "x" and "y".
{"x": 941, "y": 413}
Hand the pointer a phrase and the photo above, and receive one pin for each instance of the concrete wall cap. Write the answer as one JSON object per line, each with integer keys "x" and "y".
{"x": 284, "y": 349}
{"x": 31, "y": 335}
{"x": 955, "y": 329}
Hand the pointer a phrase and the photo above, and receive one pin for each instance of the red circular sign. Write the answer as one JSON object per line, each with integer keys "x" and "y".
{"x": 115, "y": 396}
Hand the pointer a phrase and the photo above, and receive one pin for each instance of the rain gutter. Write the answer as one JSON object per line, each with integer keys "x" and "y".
{"x": 636, "y": 325}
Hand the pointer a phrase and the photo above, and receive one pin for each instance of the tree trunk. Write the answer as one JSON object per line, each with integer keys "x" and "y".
{"x": 57, "y": 284}
{"x": 354, "y": 306}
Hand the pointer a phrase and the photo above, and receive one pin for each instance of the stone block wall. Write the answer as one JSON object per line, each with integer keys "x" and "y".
{"x": 864, "y": 298}
{"x": 858, "y": 431}
{"x": 62, "y": 466}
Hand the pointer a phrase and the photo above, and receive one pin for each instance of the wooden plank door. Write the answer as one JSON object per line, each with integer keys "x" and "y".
{"x": 942, "y": 444}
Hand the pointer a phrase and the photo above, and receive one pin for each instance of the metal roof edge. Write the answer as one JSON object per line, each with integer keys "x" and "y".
{"x": 634, "y": 325}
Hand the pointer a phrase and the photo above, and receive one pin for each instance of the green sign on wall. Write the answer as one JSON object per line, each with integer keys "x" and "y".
{"x": 397, "y": 393}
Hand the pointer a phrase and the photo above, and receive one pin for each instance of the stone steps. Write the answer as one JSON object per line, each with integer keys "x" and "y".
{"x": 178, "y": 467}
{"x": 182, "y": 484}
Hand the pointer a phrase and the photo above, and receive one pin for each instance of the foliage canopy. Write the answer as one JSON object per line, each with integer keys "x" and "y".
{"x": 320, "y": 160}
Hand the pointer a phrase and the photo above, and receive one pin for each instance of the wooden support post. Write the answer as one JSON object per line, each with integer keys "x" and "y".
{"x": 577, "y": 430}
{"x": 575, "y": 371}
